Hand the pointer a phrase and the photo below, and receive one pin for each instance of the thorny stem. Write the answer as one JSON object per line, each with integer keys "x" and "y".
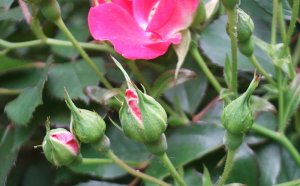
{"x": 228, "y": 167}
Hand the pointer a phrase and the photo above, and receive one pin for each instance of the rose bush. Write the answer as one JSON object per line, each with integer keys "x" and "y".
{"x": 140, "y": 29}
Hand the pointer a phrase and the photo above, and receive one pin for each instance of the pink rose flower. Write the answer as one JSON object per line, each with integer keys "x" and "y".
{"x": 141, "y": 29}
{"x": 67, "y": 139}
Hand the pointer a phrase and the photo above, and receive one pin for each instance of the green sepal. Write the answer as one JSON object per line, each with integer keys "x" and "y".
{"x": 233, "y": 141}
{"x": 158, "y": 147}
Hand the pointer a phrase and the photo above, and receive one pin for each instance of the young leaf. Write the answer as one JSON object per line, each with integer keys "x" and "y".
{"x": 182, "y": 50}
{"x": 100, "y": 95}
{"x": 227, "y": 71}
{"x": 206, "y": 180}
{"x": 21, "y": 109}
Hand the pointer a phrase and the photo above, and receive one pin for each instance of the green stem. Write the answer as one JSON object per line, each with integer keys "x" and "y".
{"x": 261, "y": 70}
{"x": 87, "y": 161}
{"x": 132, "y": 171}
{"x": 281, "y": 21}
{"x": 199, "y": 60}
{"x": 290, "y": 183}
{"x": 233, "y": 39}
{"x": 165, "y": 159}
{"x": 274, "y": 22}
{"x": 61, "y": 25}
{"x": 280, "y": 138}
{"x": 228, "y": 167}
{"x": 296, "y": 4}
{"x": 281, "y": 110}
{"x": 53, "y": 42}
{"x": 12, "y": 92}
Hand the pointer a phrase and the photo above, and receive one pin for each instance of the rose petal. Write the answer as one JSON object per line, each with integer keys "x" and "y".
{"x": 172, "y": 17}
{"x": 126, "y": 4}
{"x": 141, "y": 11}
{"x": 111, "y": 22}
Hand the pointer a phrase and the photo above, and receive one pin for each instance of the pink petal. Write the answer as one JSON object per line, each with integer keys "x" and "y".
{"x": 126, "y": 4}
{"x": 132, "y": 101}
{"x": 111, "y": 22}
{"x": 172, "y": 16}
{"x": 141, "y": 11}
{"x": 68, "y": 139}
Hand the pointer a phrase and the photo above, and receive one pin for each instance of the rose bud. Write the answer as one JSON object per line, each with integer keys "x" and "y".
{"x": 245, "y": 26}
{"x": 246, "y": 47}
{"x": 142, "y": 118}
{"x": 60, "y": 147}
{"x": 237, "y": 116}
{"x": 87, "y": 126}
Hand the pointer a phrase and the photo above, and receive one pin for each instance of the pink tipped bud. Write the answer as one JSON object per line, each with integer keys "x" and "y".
{"x": 60, "y": 147}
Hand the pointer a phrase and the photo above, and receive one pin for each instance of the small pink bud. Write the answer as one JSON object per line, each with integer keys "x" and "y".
{"x": 60, "y": 147}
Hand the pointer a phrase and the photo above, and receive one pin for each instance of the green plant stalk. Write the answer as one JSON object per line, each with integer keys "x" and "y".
{"x": 274, "y": 22}
{"x": 281, "y": 109}
{"x": 61, "y": 25}
{"x": 53, "y": 42}
{"x": 296, "y": 4}
{"x": 297, "y": 122}
{"x": 87, "y": 161}
{"x": 132, "y": 171}
{"x": 228, "y": 167}
{"x": 165, "y": 159}
{"x": 212, "y": 79}
{"x": 233, "y": 39}
{"x": 281, "y": 21}
{"x": 261, "y": 70}
{"x": 280, "y": 138}
{"x": 290, "y": 183}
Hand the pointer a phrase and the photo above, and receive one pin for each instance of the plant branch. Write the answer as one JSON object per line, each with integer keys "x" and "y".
{"x": 280, "y": 138}
{"x": 165, "y": 159}
{"x": 228, "y": 167}
{"x": 132, "y": 171}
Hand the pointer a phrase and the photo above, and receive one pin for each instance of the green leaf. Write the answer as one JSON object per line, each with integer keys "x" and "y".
{"x": 21, "y": 109}
{"x": 122, "y": 146}
{"x": 268, "y": 157}
{"x": 268, "y": 7}
{"x": 195, "y": 141}
{"x": 259, "y": 104}
{"x": 7, "y": 155}
{"x": 167, "y": 81}
{"x": 188, "y": 95}
{"x": 14, "y": 14}
{"x": 216, "y": 45}
{"x": 9, "y": 64}
{"x": 206, "y": 180}
{"x": 292, "y": 98}
{"x": 74, "y": 76}
{"x": 227, "y": 71}
{"x": 245, "y": 168}
{"x": 182, "y": 50}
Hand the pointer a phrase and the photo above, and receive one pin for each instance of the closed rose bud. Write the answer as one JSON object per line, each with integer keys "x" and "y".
{"x": 245, "y": 26}
{"x": 246, "y": 47}
{"x": 142, "y": 118}
{"x": 237, "y": 116}
{"x": 86, "y": 125}
{"x": 60, "y": 147}
{"x": 230, "y": 4}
